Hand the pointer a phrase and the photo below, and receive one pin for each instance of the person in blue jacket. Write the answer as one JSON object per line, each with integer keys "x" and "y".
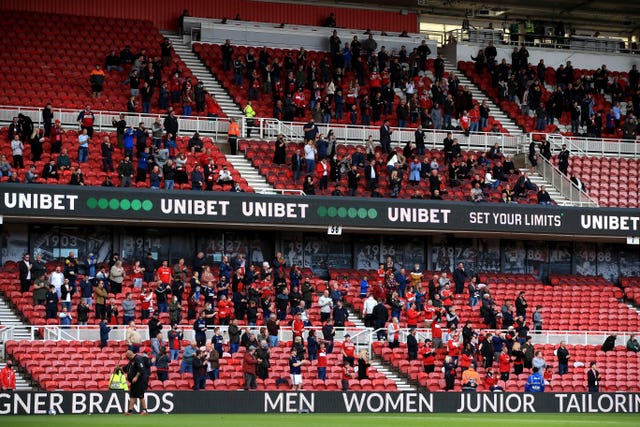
{"x": 535, "y": 382}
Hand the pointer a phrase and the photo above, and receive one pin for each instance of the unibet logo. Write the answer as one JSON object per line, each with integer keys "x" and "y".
{"x": 342, "y": 212}
{"x": 119, "y": 204}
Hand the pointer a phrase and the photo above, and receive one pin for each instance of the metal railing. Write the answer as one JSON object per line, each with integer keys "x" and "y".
{"x": 563, "y": 184}
{"x": 482, "y": 36}
{"x": 362, "y": 337}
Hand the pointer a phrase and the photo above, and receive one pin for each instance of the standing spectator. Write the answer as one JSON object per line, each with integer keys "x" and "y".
{"x": 593, "y": 378}
{"x": 8, "y": 378}
{"x": 263, "y": 357}
{"x": 104, "y": 333}
{"x": 199, "y": 370}
{"x": 101, "y": 300}
{"x": 449, "y": 369}
{"x": 25, "y": 272}
{"x": 106, "y": 150}
{"x": 563, "y": 160}
{"x": 16, "y": 149}
{"x": 295, "y": 370}
{"x": 96, "y": 78}
{"x": 86, "y": 119}
{"x": 116, "y": 277}
{"x": 385, "y": 137}
{"x": 459, "y": 278}
{"x": 412, "y": 344}
{"x": 504, "y": 364}
{"x": 563, "y": 358}
{"x": 537, "y": 319}
{"x": 535, "y": 382}
{"x": 347, "y": 374}
{"x": 128, "y": 309}
{"x": 174, "y": 337}
{"x": 189, "y": 352}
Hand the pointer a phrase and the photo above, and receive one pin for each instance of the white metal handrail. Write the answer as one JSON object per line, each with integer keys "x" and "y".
{"x": 363, "y": 337}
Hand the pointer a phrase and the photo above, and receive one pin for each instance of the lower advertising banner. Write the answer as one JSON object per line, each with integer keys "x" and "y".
{"x": 187, "y": 402}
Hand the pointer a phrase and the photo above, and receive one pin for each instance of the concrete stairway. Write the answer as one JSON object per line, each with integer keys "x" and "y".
{"x": 22, "y": 384}
{"x": 9, "y": 318}
{"x": 556, "y": 196}
{"x": 380, "y": 366}
{"x": 251, "y": 174}
{"x": 184, "y": 51}
{"x": 480, "y": 96}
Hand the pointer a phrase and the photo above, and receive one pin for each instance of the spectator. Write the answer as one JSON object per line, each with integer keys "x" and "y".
{"x": 449, "y": 370}
{"x": 609, "y": 343}
{"x": 412, "y": 344}
{"x": 535, "y": 383}
{"x": 632, "y": 344}
{"x": 295, "y": 370}
{"x": 563, "y": 359}
{"x": 189, "y": 352}
{"x": 96, "y": 78}
{"x": 593, "y": 378}
{"x": 543, "y": 196}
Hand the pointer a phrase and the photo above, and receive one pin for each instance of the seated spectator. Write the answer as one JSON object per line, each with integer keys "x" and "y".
{"x": 195, "y": 143}
{"x": 508, "y": 166}
{"x": 30, "y": 175}
{"x": 490, "y": 181}
{"x": 476, "y": 195}
{"x": 50, "y": 170}
{"x": 632, "y": 344}
{"x": 77, "y": 178}
{"x": 113, "y": 62}
{"x": 63, "y": 161}
{"x": 495, "y": 152}
{"x": 357, "y": 158}
{"x": 224, "y": 177}
{"x": 543, "y": 197}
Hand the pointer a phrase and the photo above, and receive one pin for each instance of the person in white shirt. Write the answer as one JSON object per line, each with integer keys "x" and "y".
{"x": 224, "y": 176}
{"x": 367, "y": 309}
{"x": 83, "y": 147}
{"x": 489, "y": 181}
{"x": 310, "y": 152}
{"x": 326, "y": 303}
{"x": 57, "y": 279}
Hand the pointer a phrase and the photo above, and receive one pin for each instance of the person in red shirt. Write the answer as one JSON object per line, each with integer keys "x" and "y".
{"x": 347, "y": 374}
{"x": 474, "y": 118}
{"x": 300, "y": 101}
{"x": 249, "y": 363}
{"x": 146, "y": 300}
{"x": 322, "y": 362}
{"x": 436, "y": 334}
{"x": 504, "y": 364}
{"x": 465, "y": 122}
{"x": 453, "y": 348}
{"x": 491, "y": 381}
{"x": 224, "y": 310}
{"x": 348, "y": 350}
{"x": 466, "y": 358}
{"x": 412, "y": 317}
{"x": 428, "y": 357}
{"x": 8, "y": 377}
{"x": 297, "y": 326}
{"x": 382, "y": 273}
{"x": 164, "y": 273}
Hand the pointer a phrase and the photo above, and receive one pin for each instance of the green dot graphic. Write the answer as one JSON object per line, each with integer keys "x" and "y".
{"x": 332, "y": 212}
{"x": 147, "y": 205}
{"x": 322, "y": 211}
{"x": 342, "y": 212}
{"x": 373, "y": 214}
{"x": 136, "y": 205}
{"x": 353, "y": 212}
{"x": 125, "y": 204}
{"x": 362, "y": 213}
{"x": 92, "y": 203}
{"x": 114, "y": 204}
{"x": 103, "y": 203}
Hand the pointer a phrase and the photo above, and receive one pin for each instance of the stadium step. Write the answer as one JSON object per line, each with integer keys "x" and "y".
{"x": 251, "y": 174}
{"x": 211, "y": 84}
{"x": 556, "y": 196}
{"x": 401, "y": 383}
{"x": 8, "y": 318}
{"x": 22, "y": 384}
{"x": 480, "y": 96}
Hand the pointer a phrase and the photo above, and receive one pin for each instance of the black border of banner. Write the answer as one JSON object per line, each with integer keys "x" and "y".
{"x": 229, "y": 402}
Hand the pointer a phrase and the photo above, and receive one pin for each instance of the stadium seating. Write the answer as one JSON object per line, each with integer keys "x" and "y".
{"x": 51, "y": 65}
{"x": 83, "y": 365}
{"x": 95, "y": 176}
{"x": 261, "y": 153}
{"x": 612, "y": 182}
